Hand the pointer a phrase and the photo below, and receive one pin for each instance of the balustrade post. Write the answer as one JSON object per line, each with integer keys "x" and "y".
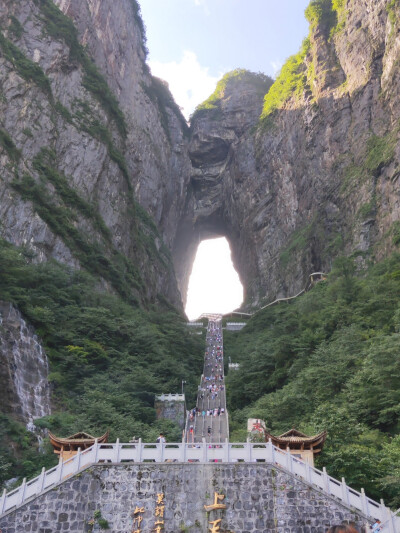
{"x": 270, "y": 451}
{"x": 205, "y": 450}
{"x": 388, "y": 517}
{"x": 226, "y": 451}
{"x": 182, "y": 452}
{"x": 345, "y": 492}
{"x": 162, "y": 447}
{"x": 60, "y": 469}
{"x": 78, "y": 460}
{"x": 364, "y": 503}
{"x": 3, "y": 502}
{"x": 140, "y": 448}
{"x": 22, "y": 490}
{"x": 326, "y": 480}
{"x": 308, "y": 472}
{"x": 96, "y": 450}
{"x": 289, "y": 464}
{"x": 41, "y": 480}
{"x": 117, "y": 451}
{"x": 249, "y": 450}
{"x": 392, "y": 522}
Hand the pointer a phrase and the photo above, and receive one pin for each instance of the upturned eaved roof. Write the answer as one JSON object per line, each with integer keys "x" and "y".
{"x": 77, "y": 439}
{"x": 295, "y": 438}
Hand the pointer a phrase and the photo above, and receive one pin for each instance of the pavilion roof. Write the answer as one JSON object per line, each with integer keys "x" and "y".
{"x": 77, "y": 439}
{"x": 296, "y": 437}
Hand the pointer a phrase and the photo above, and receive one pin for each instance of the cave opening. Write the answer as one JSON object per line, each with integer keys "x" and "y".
{"x": 214, "y": 284}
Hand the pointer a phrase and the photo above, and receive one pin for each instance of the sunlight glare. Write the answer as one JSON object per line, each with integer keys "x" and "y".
{"x": 214, "y": 285}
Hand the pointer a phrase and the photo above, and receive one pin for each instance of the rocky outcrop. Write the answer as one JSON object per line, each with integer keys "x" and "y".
{"x": 314, "y": 178}
{"x": 76, "y": 159}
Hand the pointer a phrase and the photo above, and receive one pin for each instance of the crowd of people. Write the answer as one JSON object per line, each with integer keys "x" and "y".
{"x": 211, "y": 401}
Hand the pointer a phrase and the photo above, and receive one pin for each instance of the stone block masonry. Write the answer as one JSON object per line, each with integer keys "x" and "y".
{"x": 171, "y": 407}
{"x": 259, "y": 498}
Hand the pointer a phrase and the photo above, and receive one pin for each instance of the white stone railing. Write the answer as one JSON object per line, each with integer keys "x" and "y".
{"x": 200, "y": 453}
{"x": 171, "y": 397}
{"x": 235, "y": 326}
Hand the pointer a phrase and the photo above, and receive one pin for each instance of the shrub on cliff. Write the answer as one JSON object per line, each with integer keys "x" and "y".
{"x": 258, "y": 80}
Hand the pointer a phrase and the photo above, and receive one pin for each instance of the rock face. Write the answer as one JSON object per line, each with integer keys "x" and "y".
{"x": 258, "y": 497}
{"x": 82, "y": 169}
{"x": 75, "y": 159}
{"x": 25, "y": 391}
{"x": 319, "y": 176}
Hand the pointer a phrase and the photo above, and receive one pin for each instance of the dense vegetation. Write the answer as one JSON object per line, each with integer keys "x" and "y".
{"x": 107, "y": 358}
{"x": 212, "y": 105}
{"x": 329, "y": 360}
{"x": 159, "y": 93}
{"x": 294, "y": 77}
{"x": 291, "y": 80}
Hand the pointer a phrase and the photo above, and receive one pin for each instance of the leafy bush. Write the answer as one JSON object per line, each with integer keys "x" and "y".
{"x": 260, "y": 81}
{"x": 15, "y": 27}
{"x": 8, "y": 144}
{"x": 159, "y": 93}
{"x": 99, "y": 258}
{"x": 392, "y": 10}
{"x": 26, "y": 68}
{"x": 320, "y": 13}
{"x": 327, "y": 360}
{"x": 107, "y": 358}
{"x": 291, "y": 80}
{"x": 380, "y": 151}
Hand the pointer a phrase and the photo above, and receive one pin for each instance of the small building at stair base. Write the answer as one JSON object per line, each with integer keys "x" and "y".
{"x": 299, "y": 444}
{"x": 171, "y": 407}
{"x": 68, "y": 447}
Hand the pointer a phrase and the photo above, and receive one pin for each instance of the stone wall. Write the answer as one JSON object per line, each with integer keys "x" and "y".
{"x": 171, "y": 407}
{"x": 259, "y": 498}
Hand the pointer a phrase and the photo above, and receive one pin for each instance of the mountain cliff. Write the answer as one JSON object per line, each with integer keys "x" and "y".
{"x": 292, "y": 173}
{"x": 105, "y": 191}
{"x": 317, "y": 174}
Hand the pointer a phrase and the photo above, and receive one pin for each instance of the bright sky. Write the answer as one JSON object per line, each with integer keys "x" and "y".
{"x": 192, "y": 43}
{"x": 214, "y": 285}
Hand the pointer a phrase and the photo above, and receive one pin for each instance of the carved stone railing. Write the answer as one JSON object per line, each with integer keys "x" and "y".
{"x": 200, "y": 453}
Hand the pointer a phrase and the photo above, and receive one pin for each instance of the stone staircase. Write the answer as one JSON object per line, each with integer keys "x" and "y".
{"x": 211, "y": 396}
{"x": 204, "y": 447}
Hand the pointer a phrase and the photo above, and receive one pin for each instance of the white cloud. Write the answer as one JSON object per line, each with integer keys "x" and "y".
{"x": 202, "y": 3}
{"x": 189, "y": 82}
{"x": 276, "y": 67}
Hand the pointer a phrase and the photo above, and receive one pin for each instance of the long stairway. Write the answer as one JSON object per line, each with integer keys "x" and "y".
{"x": 209, "y": 419}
